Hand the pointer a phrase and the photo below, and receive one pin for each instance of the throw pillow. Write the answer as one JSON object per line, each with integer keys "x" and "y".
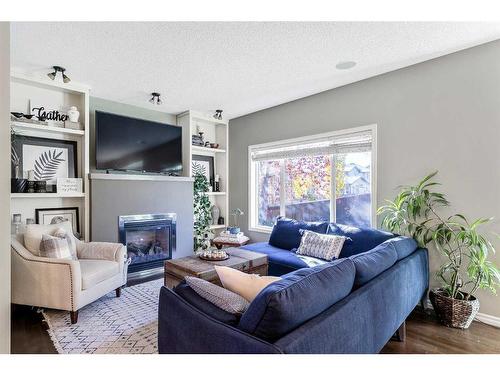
{"x": 70, "y": 238}
{"x": 286, "y": 232}
{"x": 244, "y": 284}
{"x": 220, "y": 297}
{"x": 54, "y": 247}
{"x": 321, "y": 246}
{"x": 34, "y": 232}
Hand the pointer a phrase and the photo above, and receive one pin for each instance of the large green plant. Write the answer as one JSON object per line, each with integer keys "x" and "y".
{"x": 415, "y": 212}
{"x": 202, "y": 214}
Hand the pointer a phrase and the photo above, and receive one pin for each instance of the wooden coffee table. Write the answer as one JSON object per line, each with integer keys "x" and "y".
{"x": 243, "y": 260}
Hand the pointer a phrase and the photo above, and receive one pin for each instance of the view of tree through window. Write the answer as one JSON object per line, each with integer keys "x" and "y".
{"x": 307, "y": 189}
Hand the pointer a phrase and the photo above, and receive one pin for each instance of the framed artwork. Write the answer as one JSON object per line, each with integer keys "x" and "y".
{"x": 56, "y": 215}
{"x": 205, "y": 165}
{"x": 50, "y": 159}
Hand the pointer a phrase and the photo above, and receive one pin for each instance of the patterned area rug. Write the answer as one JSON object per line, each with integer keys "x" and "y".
{"x": 125, "y": 325}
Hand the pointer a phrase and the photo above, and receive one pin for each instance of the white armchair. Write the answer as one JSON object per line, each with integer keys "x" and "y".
{"x": 67, "y": 284}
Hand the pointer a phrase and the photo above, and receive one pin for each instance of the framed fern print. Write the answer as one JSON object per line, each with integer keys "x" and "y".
{"x": 49, "y": 159}
{"x": 205, "y": 165}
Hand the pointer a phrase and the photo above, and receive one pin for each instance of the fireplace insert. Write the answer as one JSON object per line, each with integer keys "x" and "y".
{"x": 150, "y": 239}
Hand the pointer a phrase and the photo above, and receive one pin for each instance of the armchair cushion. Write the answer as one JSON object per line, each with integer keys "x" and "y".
{"x": 34, "y": 232}
{"x": 101, "y": 250}
{"x": 95, "y": 271}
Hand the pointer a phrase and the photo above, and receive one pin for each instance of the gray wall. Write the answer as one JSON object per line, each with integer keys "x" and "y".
{"x": 98, "y": 104}
{"x": 443, "y": 114}
{"x": 4, "y": 188}
{"x": 112, "y": 198}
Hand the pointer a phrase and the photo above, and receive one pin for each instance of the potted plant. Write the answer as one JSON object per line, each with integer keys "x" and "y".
{"x": 416, "y": 212}
{"x": 235, "y": 214}
{"x": 202, "y": 215}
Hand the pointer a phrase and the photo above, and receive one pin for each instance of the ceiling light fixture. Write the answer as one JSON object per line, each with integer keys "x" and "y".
{"x": 218, "y": 114}
{"x": 155, "y": 98}
{"x": 343, "y": 65}
{"x": 58, "y": 69}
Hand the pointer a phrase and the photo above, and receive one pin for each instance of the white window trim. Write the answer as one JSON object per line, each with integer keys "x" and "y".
{"x": 252, "y": 181}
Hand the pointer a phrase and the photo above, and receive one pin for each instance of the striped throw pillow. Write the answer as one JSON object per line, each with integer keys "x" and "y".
{"x": 54, "y": 247}
{"x": 323, "y": 246}
{"x": 220, "y": 297}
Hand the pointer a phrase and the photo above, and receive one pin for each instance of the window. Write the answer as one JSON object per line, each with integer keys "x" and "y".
{"x": 327, "y": 177}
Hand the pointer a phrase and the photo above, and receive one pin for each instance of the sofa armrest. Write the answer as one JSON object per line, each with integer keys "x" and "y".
{"x": 182, "y": 328}
{"x": 101, "y": 251}
{"x": 44, "y": 282}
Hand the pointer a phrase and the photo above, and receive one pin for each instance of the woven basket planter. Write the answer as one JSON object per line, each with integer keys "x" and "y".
{"x": 453, "y": 312}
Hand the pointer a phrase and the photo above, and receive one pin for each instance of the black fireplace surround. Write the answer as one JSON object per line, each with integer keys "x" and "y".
{"x": 150, "y": 239}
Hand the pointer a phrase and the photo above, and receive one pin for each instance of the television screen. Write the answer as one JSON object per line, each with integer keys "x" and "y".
{"x": 130, "y": 144}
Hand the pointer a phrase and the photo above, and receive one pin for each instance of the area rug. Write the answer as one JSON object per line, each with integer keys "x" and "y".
{"x": 127, "y": 324}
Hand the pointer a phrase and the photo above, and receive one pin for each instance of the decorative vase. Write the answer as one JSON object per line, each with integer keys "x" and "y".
{"x": 215, "y": 214}
{"x": 233, "y": 230}
{"x": 73, "y": 114}
{"x": 455, "y": 313}
{"x": 18, "y": 185}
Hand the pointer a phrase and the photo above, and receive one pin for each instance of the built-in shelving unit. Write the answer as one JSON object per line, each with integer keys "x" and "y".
{"x": 214, "y": 131}
{"x": 54, "y": 95}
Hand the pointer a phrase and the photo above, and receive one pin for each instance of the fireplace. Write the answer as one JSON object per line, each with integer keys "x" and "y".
{"x": 150, "y": 240}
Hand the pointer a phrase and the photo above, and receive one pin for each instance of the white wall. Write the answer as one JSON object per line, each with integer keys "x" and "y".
{"x": 4, "y": 188}
{"x": 442, "y": 114}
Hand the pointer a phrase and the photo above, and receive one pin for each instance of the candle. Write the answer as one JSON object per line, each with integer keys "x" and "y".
{"x": 31, "y": 175}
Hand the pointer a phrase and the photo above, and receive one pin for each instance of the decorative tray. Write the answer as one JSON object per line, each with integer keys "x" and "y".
{"x": 214, "y": 256}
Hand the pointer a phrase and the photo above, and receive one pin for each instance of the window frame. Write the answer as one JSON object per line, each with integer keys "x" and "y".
{"x": 253, "y": 225}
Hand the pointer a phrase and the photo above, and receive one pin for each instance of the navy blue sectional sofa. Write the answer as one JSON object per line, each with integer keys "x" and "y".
{"x": 353, "y": 304}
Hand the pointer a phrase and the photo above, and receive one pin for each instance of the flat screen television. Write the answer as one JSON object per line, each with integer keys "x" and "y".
{"x": 131, "y": 144}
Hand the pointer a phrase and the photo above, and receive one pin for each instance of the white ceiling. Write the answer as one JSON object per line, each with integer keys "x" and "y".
{"x": 240, "y": 67}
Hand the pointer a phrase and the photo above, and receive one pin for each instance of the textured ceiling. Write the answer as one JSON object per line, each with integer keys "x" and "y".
{"x": 239, "y": 67}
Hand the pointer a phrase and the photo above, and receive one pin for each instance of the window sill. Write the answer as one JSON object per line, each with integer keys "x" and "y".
{"x": 260, "y": 230}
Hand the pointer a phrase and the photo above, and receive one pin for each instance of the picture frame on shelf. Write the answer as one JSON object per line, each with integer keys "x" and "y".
{"x": 206, "y": 165}
{"x": 50, "y": 159}
{"x": 54, "y": 215}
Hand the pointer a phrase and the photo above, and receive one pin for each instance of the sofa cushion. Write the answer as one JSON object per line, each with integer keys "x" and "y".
{"x": 321, "y": 246}
{"x": 404, "y": 246}
{"x": 222, "y": 298}
{"x": 372, "y": 263}
{"x": 96, "y": 271}
{"x": 189, "y": 295}
{"x": 280, "y": 256}
{"x": 358, "y": 240}
{"x": 299, "y": 296}
{"x": 34, "y": 232}
{"x": 286, "y": 232}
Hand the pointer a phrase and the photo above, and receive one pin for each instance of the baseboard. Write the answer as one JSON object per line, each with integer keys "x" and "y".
{"x": 480, "y": 317}
{"x": 488, "y": 319}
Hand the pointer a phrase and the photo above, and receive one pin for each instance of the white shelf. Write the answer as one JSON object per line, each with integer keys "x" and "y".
{"x": 206, "y": 149}
{"x": 45, "y": 128}
{"x": 216, "y": 193}
{"x": 212, "y": 227}
{"x": 47, "y": 195}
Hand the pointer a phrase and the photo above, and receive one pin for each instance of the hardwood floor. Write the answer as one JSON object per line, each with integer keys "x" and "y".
{"x": 423, "y": 335}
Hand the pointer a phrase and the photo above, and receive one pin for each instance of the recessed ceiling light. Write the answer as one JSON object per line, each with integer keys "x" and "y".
{"x": 343, "y": 65}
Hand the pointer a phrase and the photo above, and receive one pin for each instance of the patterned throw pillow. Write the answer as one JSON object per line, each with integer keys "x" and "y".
{"x": 54, "y": 247}
{"x": 220, "y": 297}
{"x": 62, "y": 234}
{"x": 323, "y": 246}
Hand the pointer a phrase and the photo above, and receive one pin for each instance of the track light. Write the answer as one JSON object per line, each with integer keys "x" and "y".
{"x": 155, "y": 98}
{"x": 57, "y": 69}
{"x": 218, "y": 114}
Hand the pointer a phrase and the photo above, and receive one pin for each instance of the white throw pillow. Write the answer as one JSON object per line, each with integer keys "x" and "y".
{"x": 323, "y": 246}
{"x": 244, "y": 284}
{"x": 34, "y": 232}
